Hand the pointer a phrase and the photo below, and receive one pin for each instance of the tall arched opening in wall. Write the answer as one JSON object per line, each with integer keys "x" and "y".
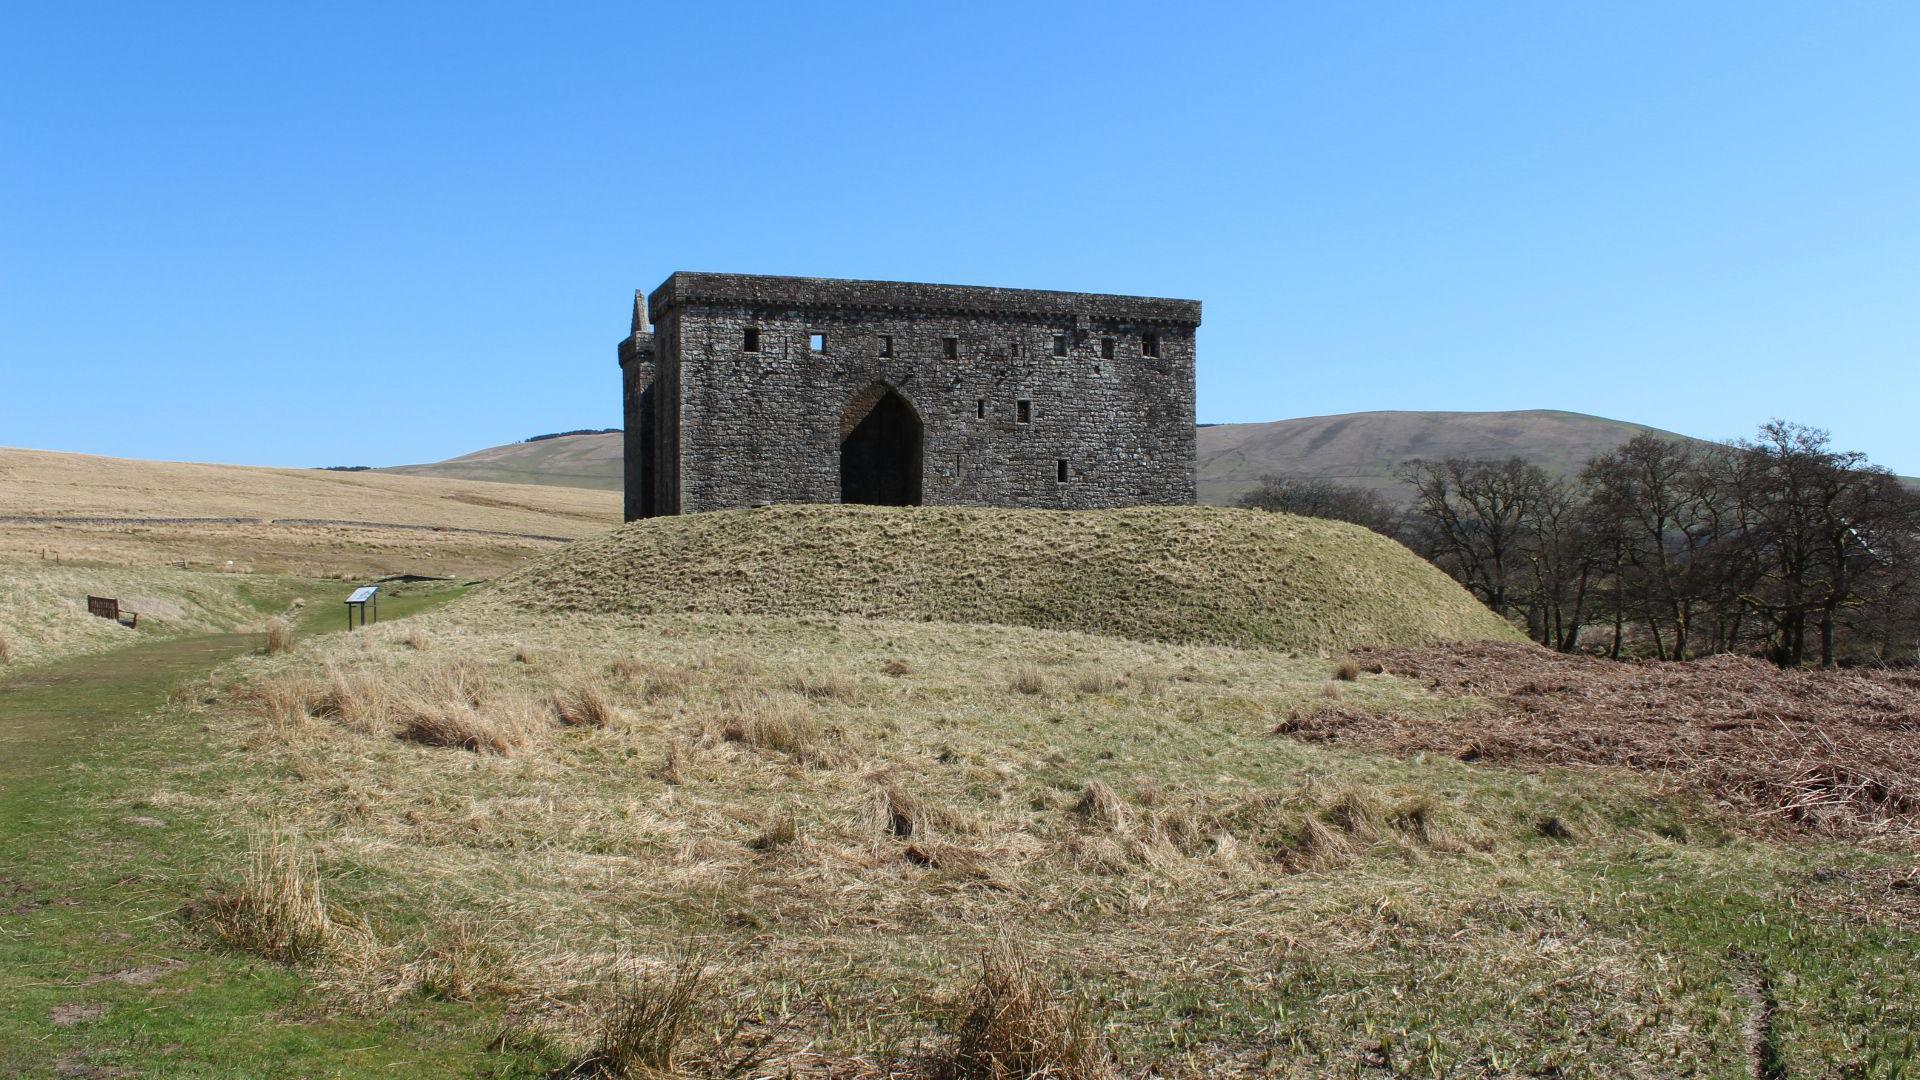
{"x": 880, "y": 449}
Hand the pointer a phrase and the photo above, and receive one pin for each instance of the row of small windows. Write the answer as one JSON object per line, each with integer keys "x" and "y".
{"x": 1022, "y": 410}
{"x": 950, "y": 346}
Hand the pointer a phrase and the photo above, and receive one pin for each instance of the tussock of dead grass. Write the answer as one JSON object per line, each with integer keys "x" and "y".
{"x": 288, "y": 701}
{"x": 771, "y": 723}
{"x": 458, "y": 725}
{"x": 1347, "y": 671}
{"x": 891, "y": 809}
{"x": 1103, "y": 806}
{"x": 783, "y": 831}
{"x": 1316, "y": 846}
{"x": 1028, "y": 680}
{"x": 276, "y": 910}
{"x": 673, "y": 766}
{"x": 585, "y": 704}
{"x": 646, "y": 1023}
{"x": 357, "y": 700}
{"x": 279, "y": 636}
{"x": 1097, "y": 681}
{"x": 824, "y": 687}
{"x": 1015, "y": 1025}
{"x": 6, "y": 650}
{"x": 464, "y": 962}
{"x": 1356, "y": 813}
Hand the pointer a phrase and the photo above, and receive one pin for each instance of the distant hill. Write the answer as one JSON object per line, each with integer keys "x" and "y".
{"x": 1365, "y": 449}
{"x": 583, "y": 461}
{"x": 85, "y": 509}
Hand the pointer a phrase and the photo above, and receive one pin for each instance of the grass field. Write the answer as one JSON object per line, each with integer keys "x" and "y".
{"x": 1237, "y": 577}
{"x": 486, "y": 840}
{"x": 141, "y": 495}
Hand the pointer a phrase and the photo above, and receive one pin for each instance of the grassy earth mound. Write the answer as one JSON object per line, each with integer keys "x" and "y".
{"x": 1179, "y": 574}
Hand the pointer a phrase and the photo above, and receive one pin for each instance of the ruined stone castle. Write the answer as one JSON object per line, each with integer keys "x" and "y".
{"x": 745, "y": 389}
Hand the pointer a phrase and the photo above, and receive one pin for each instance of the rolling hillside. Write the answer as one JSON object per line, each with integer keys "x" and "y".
{"x": 1358, "y": 448}
{"x": 582, "y": 461}
{"x": 83, "y": 508}
{"x": 1367, "y": 449}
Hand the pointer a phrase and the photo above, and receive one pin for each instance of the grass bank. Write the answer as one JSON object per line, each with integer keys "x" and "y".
{"x": 848, "y": 813}
{"x": 98, "y": 975}
{"x": 1232, "y": 577}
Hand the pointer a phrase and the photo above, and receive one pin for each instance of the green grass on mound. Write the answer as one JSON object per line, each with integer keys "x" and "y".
{"x": 1183, "y": 574}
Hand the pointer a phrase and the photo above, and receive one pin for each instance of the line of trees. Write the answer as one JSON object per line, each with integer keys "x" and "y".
{"x": 1778, "y": 546}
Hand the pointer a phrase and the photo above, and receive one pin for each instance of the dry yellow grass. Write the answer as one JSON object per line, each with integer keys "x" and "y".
{"x": 44, "y": 484}
{"x": 873, "y": 804}
{"x": 43, "y": 607}
{"x": 1205, "y": 883}
{"x": 1240, "y": 577}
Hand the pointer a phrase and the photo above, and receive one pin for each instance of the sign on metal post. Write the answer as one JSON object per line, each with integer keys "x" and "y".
{"x": 364, "y": 598}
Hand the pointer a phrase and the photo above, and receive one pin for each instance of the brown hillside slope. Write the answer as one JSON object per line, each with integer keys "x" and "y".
{"x": 1202, "y": 574}
{"x": 38, "y": 489}
{"x": 587, "y": 461}
{"x": 1368, "y": 449}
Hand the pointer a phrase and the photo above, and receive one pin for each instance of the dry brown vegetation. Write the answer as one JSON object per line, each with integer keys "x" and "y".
{"x": 1237, "y": 577}
{"x": 44, "y": 485}
{"x": 543, "y": 814}
{"x": 1814, "y": 748}
{"x": 43, "y": 606}
{"x": 276, "y": 909}
{"x": 279, "y": 636}
{"x": 1018, "y": 1026}
{"x": 875, "y": 804}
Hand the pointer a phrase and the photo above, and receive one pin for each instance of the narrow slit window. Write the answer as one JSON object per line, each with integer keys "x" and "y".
{"x": 1059, "y": 344}
{"x": 886, "y": 344}
{"x": 950, "y": 348}
{"x": 817, "y": 342}
{"x": 980, "y": 409}
{"x": 1150, "y": 345}
{"x": 1106, "y": 348}
{"x": 1023, "y": 411}
{"x": 1060, "y": 470}
{"x": 750, "y": 341}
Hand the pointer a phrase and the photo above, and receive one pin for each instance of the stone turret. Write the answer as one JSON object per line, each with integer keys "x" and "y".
{"x": 636, "y": 380}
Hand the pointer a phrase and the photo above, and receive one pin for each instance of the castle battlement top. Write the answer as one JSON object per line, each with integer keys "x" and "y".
{"x": 802, "y": 293}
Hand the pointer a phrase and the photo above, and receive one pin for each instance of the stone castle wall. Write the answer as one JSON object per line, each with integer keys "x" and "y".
{"x": 716, "y": 424}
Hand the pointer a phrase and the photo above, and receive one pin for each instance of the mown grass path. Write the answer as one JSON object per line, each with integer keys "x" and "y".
{"x": 98, "y": 974}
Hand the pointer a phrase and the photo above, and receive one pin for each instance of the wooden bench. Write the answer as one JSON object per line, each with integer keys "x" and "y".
{"x": 108, "y": 608}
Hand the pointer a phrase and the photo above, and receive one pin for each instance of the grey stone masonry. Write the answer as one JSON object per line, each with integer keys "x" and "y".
{"x": 746, "y": 389}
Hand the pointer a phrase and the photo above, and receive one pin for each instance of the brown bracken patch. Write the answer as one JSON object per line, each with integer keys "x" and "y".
{"x": 1819, "y": 749}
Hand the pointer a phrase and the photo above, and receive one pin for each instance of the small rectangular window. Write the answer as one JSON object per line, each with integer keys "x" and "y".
{"x": 817, "y": 342}
{"x": 1150, "y": 345}
{"x": 1023, "y": 411}
{"x": 886, "y": 344}
{"x": 980, "y": 409}
{"x": 1059, "y": 344}
{"x": 1106, "y": 348}
{"x": 1060, "y": 470}
{"x": 950, "y": 348}
{"x": 751, "y": 340}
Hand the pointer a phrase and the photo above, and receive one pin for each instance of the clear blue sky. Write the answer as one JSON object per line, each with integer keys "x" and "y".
{"x": 338, "y": 234}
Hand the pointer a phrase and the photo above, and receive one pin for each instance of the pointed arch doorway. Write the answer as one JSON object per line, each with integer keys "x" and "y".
{"x": 880, "y": 449}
